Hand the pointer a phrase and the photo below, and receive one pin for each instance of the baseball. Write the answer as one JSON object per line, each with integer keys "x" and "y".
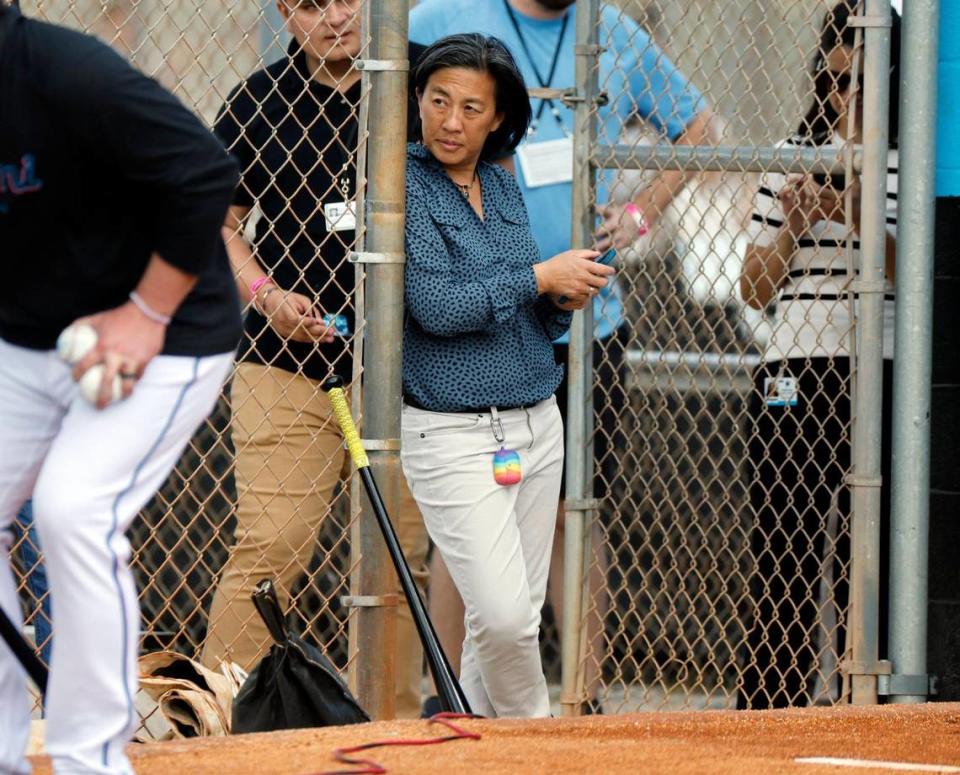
{"x": 90, "y": 384}
{"x": 75, "y": 342}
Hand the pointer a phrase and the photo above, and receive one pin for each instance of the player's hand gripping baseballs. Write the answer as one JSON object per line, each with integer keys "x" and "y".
{"x": 126, "y": 342}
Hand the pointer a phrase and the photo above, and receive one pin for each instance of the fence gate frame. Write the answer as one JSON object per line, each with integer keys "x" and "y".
{"x": 873, "y": 24}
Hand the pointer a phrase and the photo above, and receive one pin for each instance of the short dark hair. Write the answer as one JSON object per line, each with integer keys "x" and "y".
{"x": 837, "y": 31}
{"x": 487, "y": 55}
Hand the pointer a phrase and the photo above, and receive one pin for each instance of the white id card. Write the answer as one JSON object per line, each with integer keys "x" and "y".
{"x": 340, "y": 216}
{"x": 544, "y": 164}
{"x": 781, "y": 391}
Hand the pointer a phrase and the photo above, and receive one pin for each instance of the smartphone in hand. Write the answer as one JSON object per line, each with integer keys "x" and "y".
{"x": 606, "y": 259}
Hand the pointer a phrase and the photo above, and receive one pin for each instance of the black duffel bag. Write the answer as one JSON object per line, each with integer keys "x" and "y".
{"x": 294, "y": 686}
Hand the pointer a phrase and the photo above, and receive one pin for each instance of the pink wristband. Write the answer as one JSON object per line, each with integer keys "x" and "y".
{"x": 634, "y": 212}
{"x": 257, "y": 284}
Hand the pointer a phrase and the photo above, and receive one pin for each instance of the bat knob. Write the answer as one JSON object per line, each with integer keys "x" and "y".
{"x": 332, "y": 382}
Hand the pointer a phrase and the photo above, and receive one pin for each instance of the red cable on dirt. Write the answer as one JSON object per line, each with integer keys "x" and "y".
{"x": 373, "y": 768}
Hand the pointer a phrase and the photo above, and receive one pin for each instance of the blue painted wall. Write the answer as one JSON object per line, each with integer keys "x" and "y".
{"x": 948, "y": 107}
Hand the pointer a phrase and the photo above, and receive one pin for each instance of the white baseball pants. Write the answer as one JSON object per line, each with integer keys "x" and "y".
{"x": 495, "y": 540}
{"x": 89, "y": 472}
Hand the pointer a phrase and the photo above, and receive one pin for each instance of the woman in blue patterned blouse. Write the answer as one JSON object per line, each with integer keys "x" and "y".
{"x": 482, "y": 437}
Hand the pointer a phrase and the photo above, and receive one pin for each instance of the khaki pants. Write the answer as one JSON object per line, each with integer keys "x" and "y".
{"x": 289, "y": 459}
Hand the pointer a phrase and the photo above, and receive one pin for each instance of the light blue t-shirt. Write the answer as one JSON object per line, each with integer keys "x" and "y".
{"x": 635, "y": 74}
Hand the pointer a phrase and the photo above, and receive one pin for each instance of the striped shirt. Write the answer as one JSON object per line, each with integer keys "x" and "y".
{"x": 813, "y": 314}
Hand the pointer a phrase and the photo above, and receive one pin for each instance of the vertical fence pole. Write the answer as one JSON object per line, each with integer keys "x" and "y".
{"x": 868, "y": 399}
{"x": 914, "y": 343}
{"x": 579, "y": 459}
{"x": 360, "y": 315}
{"x": 386, "y": 159}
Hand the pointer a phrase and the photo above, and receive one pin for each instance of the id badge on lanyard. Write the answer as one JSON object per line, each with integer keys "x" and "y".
{"x": 549, "y": 162}
{"x": 782, "y": 390}
{"x": 342, "y": 215}
{"x": 546, "y": 163}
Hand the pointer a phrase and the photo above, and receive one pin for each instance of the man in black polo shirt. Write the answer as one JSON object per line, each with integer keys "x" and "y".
{"x": 111, "y": 199}
{"x": 293, "y": 128}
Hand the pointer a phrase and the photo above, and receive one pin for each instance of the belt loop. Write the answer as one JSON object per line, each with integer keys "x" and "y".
{"x": 526, "y": 412}
{"x": 495, "y": 423}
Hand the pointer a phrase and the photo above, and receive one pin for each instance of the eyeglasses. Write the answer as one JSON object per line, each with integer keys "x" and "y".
{"x": 316, "y": 5}
{"x": 843, "y": 81}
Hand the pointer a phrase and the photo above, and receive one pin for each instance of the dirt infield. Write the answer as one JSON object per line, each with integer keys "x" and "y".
{"x": 673, "y": 743}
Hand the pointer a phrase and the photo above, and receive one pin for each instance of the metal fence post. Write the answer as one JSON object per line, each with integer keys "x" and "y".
{"x": 386, "y": 70}
{"x": 868, "y": 399}
{"x": 579, "y": 457}
{"x": 910, "y": 508}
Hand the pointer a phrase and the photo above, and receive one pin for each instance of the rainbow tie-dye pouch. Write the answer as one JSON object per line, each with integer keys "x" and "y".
{"x": 506, "y": 467}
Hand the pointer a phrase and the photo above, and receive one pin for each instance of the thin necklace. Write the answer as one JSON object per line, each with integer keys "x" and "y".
{"x": 466, "y": 188}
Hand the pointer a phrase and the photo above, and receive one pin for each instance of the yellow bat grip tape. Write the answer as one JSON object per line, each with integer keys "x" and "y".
{"x": 338, "y": 399}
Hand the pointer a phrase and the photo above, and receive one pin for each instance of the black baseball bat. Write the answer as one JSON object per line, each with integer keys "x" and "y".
{"x": 452, "y": 698}
{"x": 24, "y": 652}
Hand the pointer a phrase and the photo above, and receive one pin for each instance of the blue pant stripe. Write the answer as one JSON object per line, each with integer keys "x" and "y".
{"x": 113, "y": 530}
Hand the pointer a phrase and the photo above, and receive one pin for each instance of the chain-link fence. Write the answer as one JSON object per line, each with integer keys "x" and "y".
{"x": 260, "y": 491}
{"x": 720, "y": 560}
{"x": 721, "y": 552}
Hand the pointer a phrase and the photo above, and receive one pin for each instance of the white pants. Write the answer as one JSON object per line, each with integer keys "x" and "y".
{"x": 495, "y": 540}
{"x": 89, "y": 472}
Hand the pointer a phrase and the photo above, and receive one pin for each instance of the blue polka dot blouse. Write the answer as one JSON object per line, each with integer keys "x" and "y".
{"x": 476, "y": 332}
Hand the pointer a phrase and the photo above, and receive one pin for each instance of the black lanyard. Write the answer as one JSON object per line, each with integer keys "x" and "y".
{"x": 545, "y": 83}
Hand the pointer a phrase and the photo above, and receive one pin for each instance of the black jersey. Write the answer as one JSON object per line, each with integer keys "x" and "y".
{"x": 100, "y": 168}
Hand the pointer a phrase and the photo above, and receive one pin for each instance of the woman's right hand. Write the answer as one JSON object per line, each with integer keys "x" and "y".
{"x": 573, "y": 274}
{"x": 293, "y": 317}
